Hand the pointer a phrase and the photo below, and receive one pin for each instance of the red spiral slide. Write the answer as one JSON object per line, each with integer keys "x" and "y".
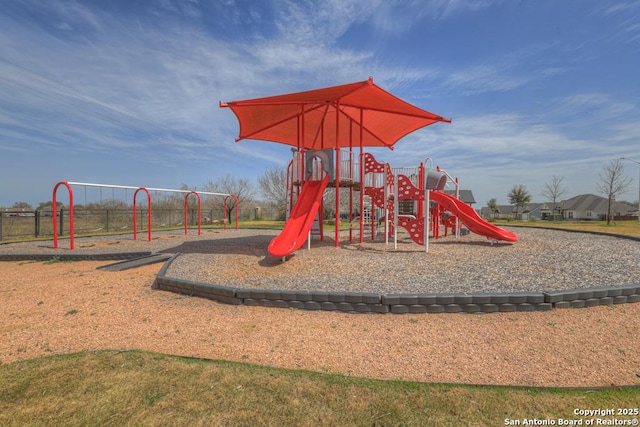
{"x": 471, "y": 219}
{"x": 297, "y": 227}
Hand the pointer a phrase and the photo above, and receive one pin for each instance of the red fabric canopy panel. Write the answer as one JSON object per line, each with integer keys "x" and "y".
{"x": 358, "y": 114}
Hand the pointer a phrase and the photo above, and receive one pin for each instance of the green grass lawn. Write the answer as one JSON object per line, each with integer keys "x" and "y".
{"x": 628, "y": 228}
{"x": 139, "y": 388}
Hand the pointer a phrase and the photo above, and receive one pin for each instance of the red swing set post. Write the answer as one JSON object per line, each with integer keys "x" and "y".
{"x": 55, "y": 215}
{"x": 135, "y": 214}
{"x": 186, "y": 208}
{"x": 224, "y": 221}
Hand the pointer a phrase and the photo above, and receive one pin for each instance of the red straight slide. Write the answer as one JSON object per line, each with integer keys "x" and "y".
{"x": 471, "y": 219}
{"x": 296, "y": 229}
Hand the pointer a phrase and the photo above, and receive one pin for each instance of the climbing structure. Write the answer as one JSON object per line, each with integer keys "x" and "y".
{"x": 378, "y": 179}
{"x": 389, "y": 189}
{"x": 406, "y": 190}
{"x": 385, "y": 192}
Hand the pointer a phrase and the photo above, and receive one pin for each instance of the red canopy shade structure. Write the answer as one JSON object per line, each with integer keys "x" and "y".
{"x": 355, "y": 114}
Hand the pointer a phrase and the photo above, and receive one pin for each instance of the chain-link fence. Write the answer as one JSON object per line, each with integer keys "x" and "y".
{"x": 39, "y": 223}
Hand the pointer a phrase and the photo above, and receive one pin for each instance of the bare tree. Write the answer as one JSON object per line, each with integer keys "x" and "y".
{"x": 612, "y": 183}
{"x": 240, "y": 187}
{"x": 164, "y": 200}
{"x": 112, "y": 204}
{"x": 553, "y": 191}
{"x": 519, "y": 196}
{"x": 492, "y": 204}
{"x": 273, "y": 184}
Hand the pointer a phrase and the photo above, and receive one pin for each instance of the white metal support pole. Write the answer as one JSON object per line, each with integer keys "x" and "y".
{"x": 361, "y": 175}
{"x": 395, "y": 211}
{"x": 337, "y": 175}
{"x": 387, "y": 223}
{"x": 457, "y": 217}
{"x": 427, "y": 217}
{"x": 385, "y": 198}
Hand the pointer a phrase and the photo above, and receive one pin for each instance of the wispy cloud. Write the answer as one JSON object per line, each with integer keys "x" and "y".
{"x": 508, "y": 72}
{"x": 399, "y": 17}
{"x": 490, "y": 153}
{"x": 626, "y": 15}
{"x": 598, "y": 107}
{"x": 133, "y": 88}
{"x": 102, "y": 90}
{"x": 142, "y": 81}
{"x": 188, "y": 8}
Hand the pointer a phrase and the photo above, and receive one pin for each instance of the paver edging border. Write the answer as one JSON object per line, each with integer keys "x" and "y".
{"x": 353, "y": 302}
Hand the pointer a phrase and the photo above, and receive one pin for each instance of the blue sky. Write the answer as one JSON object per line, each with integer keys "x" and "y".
{"x": 127, "y": 91}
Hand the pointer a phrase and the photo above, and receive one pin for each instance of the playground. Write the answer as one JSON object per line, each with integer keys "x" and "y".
{"x": 413, "y": 248}
{"x": 383, "y": 262}
{"x": 328, "y": 130}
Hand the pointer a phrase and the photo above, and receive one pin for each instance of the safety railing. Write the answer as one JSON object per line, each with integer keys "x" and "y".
{"x": 349, "y": 167}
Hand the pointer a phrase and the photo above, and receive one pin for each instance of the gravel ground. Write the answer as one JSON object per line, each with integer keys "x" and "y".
{"x": 56, "y": 308}
{"x": 542, "y": 260}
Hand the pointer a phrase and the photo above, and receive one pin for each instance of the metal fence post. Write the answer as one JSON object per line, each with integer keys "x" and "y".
{"x": 61, "y": 222}
{"x": 37, "y": 224}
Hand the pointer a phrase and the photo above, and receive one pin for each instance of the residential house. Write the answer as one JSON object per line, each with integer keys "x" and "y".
{"x": 592, "y": 207}
{"x": 533, "y": 211}
{"x": 502, "y": 212}
{"x": 464, "y": 195}
{"x": 581, "y": 207}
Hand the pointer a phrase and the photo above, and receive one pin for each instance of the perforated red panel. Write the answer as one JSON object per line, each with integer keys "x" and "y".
{"x": 408, "y": 191}
{"x": 415, "y": 227}
{"x": 371, "y": 165}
